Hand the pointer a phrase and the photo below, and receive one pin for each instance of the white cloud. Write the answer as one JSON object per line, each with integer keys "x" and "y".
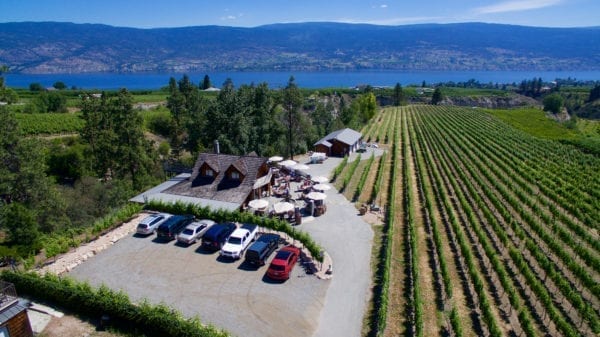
{"x": 231, "y": 17}
{"x": 516, "y": 6}
{"x": 383, "y": 6}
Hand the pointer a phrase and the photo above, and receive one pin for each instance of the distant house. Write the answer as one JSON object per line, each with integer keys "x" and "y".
{"x": 14, "y": 321}
{"x": 339, "y": 143}
{"x": 217, "y": 181}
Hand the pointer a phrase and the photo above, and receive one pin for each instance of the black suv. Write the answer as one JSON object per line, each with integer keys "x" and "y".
{"x": 259, "y": 252}
{"x": 215, "y": 237}
{"x": 172, "y": 226}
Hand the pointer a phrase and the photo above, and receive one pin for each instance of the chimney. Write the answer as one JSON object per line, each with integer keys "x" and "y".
{"x": 216, "y": 143}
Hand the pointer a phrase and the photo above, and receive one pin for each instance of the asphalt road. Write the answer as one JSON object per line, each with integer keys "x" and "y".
{"x": 241, "y": 300}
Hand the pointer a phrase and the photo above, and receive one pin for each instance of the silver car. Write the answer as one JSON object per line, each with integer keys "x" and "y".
{"x": 150, "y": 223}
{"x": 194, "y": 231}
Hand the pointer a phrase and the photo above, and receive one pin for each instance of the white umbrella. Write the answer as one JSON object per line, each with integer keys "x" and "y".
{"x": 300, "y": 167}
{"x": 316, "y": 196}
{"x": 275, "y": 159}
{"x": 282, "y": 207}
{"x": 288, "y": 162}
{"x": 320, "y": 179}
{"x": 322, "y": 187}
{"x": 258, "y": 203}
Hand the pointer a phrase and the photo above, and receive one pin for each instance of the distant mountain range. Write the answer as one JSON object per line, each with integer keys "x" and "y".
{"x": 50, "y": 47}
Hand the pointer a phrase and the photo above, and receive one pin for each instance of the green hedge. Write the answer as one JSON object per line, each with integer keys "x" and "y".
{"x": 243, "y": 217}
{"x": 149, "y": 320}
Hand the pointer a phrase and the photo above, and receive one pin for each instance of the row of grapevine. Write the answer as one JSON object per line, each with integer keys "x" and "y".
{"x": 491, "y": 177}
{"x": 415, "y": 299}
{"x": 363, "y": 178}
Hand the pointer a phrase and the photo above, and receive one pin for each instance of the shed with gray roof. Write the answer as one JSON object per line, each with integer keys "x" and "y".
{"x": 339, "y": 143}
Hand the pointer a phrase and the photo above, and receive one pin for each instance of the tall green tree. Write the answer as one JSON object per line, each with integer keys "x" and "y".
{"x": 188, "y": 108}
{"x": 229, "y": 121}
{"x": 437, "y": 96}
{"x": 398, "y": 95}
{"x": 291, "y": 102}
{"x": 206, "y": 83}
{"x": 113, "y": 129}
{"x": 134, "y": 153}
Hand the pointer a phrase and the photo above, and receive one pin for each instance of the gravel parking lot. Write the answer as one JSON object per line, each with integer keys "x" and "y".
{"x": 225, "y": 293}
{"x": 241, "y": 300}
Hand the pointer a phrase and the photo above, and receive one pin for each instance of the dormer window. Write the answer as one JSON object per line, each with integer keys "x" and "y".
{"x": 209, "y": 173}
{"x": 235, "y": 175}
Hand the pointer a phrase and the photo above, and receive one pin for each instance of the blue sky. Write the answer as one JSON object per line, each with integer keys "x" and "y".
{"x": 251, "y": 13}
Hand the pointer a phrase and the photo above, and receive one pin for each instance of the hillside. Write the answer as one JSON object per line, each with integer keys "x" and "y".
{"x": 49, "y": 47}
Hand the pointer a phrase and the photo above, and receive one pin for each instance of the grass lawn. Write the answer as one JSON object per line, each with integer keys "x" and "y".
{"x": 535, "y": 122}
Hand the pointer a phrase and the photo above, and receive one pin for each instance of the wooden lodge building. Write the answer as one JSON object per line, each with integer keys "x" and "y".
{"x": 217, "y": 181}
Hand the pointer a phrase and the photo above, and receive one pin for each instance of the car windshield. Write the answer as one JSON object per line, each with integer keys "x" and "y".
{"x": 277, "y": 267}
{"x": 188, "y": 231}
{"x": 235, "y": 241}
{"x": 142, "y": 226}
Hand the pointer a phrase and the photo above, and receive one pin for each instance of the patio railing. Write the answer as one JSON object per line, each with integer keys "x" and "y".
{"x": 8, "y": 294}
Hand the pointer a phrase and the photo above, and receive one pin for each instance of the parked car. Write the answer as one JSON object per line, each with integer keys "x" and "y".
{"x": 215, "y": 236}
{"x": 258, "y": 253}
{"x": 192, "y": 232}
{"x": 169, "y": 229}
{"x": 238, "y": 241}
{"x": 149, "y": 224}
{"x": 283, "y": 263}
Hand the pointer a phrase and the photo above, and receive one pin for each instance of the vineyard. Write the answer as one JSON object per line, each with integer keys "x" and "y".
{"x": 488, "y": 230}
{"x": 49, "y": 123}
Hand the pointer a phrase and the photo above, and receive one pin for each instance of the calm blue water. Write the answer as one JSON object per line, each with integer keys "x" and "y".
{"x": 303, "y": 79}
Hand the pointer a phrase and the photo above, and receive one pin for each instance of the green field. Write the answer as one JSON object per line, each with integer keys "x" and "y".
{"x": 490, "y": 230}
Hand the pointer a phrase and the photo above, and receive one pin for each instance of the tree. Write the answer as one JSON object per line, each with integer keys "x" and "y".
{"x": 20, "y": 223}
{"x": 23, "y": 178}
{"x": 398, "y": 95}
{"x": 594, "y": 93}
{"x": 3, "y": 69}
{"x": 116, "y": 138}
{"x": 36, "y": 87}
{"x": 59, "y": 85}
{"x": 437, "y": 96}
{"x": 206, "y": 83}
{"x": 553, "y": 103}
{"x": 292, "y": 101}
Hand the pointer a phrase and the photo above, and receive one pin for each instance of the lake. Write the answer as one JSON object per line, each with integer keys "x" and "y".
{"x": 106, "y": 81}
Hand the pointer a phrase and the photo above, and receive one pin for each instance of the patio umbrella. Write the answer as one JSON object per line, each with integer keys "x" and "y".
{"x": 320, "y": 179}
{"x": 282, "y": 207}
{"x": 275, "y": 159}
{"x": 316, "y": 196}
{"x": 322, "y": 187}
{"x": 258, "y": 203}
{"x": 288, "y": 162}
{"x": 300, "y": 167}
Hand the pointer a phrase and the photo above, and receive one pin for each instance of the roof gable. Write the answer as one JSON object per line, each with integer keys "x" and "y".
{"x": 220, "y": 186}
{"x": 346, "y": 136}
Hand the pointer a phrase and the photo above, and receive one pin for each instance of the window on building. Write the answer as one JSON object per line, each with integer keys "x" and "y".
{"x": 209, "y": 173}
{"x": 235, "y": 175}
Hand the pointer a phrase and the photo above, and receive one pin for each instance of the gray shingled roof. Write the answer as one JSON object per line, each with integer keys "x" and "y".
{"x": 219, "y": 188}
{"x": 346, "y": 136}
{"x": 12, "y": 310}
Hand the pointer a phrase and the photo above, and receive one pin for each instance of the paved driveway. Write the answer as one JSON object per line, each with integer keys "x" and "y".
{"x": 241, "y": 301}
